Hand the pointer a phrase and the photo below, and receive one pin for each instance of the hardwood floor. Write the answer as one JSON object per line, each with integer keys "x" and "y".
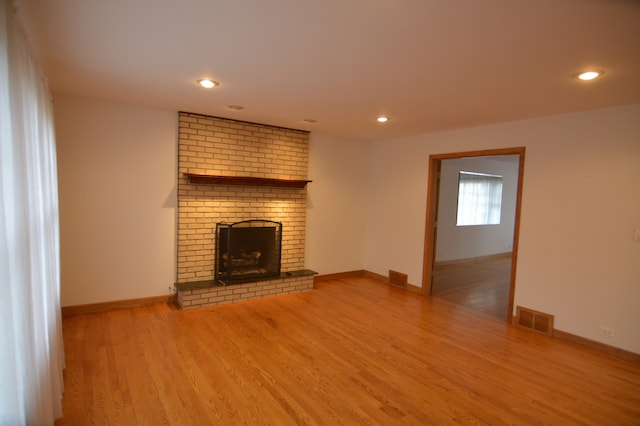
{"x": 480, "y": 284}
{"x": 349, "y": 352}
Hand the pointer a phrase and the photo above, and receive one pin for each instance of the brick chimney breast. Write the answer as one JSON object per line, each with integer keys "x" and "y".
{"x": 218, "y": 146}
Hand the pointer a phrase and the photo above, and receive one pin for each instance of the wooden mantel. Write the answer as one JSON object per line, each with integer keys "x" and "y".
{"x": 244, "y": 181}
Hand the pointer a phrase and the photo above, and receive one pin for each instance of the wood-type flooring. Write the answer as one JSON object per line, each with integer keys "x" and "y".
{"x": 352, "y": 351}
{"x": 479, "y": 284}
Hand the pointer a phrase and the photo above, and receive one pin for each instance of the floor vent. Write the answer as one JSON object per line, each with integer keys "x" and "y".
{"x": 398, "y": 279}
{"x": 534, "y": 320}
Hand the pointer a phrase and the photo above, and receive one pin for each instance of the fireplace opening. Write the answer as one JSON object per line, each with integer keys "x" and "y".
{"x": 247, "y": 251}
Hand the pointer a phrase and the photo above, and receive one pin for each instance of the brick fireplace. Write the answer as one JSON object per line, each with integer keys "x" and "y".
{"x": 231, "y": 171}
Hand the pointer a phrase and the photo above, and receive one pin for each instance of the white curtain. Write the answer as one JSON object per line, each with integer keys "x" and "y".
{"x": 479, "y": 199}
{"x": 31, "y": 351}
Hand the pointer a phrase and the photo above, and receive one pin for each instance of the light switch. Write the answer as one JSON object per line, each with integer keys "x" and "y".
{"x": 636, "y": 235}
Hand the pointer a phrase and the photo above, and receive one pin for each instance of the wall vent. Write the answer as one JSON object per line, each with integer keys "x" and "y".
{"x": 398, "y": 279}
{"x": 534, "y": 320}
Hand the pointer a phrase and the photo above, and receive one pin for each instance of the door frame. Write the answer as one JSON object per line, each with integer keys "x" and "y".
{"x": 433, "y": 188}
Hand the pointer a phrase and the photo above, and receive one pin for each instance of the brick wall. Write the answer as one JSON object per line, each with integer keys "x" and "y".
{"x": 217, "y": 146}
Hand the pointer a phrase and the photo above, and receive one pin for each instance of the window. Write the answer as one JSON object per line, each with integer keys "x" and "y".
{"x": 479, "y": 199}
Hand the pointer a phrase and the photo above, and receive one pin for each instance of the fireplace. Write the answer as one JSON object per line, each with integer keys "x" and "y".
{"x": 247, "y": 251}
{"x": 260, "y": 167}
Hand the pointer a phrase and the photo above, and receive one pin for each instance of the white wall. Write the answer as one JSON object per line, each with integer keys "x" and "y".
{"x": 577, "y": 258}
{"x": 117, "y": 166}
{"x": 464, "y": 242}
{"x": 336, "y": 205}
{"x": 116, "y": 170}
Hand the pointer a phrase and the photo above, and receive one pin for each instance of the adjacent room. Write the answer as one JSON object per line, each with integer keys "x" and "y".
{"x": 251, "y": 212}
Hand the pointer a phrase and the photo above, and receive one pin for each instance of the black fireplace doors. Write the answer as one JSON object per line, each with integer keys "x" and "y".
{"x": 247, "y": 251}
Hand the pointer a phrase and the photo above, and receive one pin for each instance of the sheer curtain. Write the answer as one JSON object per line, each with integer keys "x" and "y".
{"x": 479, "y": 199}
{"x": 31, "y": 352}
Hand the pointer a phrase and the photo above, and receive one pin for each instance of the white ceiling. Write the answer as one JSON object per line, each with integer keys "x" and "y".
{"x": 431, "y": 65}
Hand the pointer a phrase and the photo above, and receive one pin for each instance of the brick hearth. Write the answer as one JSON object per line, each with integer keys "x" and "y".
{"x": 208, "y": 293}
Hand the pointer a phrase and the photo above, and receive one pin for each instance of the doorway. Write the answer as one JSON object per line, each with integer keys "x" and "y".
{"x": 487, "y": 269}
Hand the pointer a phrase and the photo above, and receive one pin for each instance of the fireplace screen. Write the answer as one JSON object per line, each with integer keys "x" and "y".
{"x": 247, "y": 250}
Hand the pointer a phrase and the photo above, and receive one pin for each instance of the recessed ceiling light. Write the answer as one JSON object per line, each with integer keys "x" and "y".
{"x": 206, "y": 83}
{"x": 590, "y": 75}
{"x": 235, "y": 107}
{"x": 382, "y": 119}
{"x": 310, "y": 120}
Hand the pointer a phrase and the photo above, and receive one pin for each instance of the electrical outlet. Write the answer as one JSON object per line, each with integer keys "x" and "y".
{"x": 606, "y": 331}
